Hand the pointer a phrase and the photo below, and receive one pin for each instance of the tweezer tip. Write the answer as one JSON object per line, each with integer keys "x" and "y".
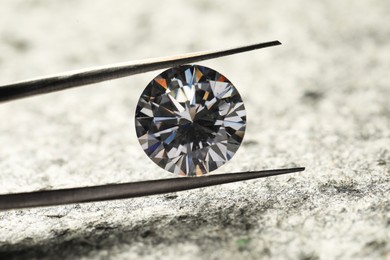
{"x": 299, "y": 169}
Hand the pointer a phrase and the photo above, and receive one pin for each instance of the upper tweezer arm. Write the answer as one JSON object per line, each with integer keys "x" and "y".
{"x": 88, "y": 76}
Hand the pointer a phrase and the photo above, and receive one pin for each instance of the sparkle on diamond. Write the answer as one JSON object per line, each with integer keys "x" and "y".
{"x": 190, "y": 120}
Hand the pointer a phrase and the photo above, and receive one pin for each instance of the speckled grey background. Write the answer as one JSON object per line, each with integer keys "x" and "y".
{"x": 320, "y": 100}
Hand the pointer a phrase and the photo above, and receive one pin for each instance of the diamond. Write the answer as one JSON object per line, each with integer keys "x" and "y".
{"x": 190, "y": 120}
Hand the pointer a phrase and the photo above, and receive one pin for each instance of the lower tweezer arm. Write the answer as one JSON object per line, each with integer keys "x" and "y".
{"x": 127, "y": 190}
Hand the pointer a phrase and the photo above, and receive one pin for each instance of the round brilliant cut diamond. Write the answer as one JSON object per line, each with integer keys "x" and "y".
{"x": 190, "y": 120}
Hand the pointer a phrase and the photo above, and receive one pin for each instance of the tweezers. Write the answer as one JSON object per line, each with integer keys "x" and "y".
{"x": 88, "y": 76}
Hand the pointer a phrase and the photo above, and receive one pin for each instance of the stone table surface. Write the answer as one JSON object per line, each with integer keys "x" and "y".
{"x": 321, "y": 100}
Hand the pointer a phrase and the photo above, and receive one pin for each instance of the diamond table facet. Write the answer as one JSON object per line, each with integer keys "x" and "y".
{"x": 190, "y": 120}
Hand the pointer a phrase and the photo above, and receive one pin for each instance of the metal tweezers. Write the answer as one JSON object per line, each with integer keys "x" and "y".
{"x": 88, "y": 76}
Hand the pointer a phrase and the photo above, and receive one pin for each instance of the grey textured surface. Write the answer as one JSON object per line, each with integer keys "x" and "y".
{"x": 321, "y": 100}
